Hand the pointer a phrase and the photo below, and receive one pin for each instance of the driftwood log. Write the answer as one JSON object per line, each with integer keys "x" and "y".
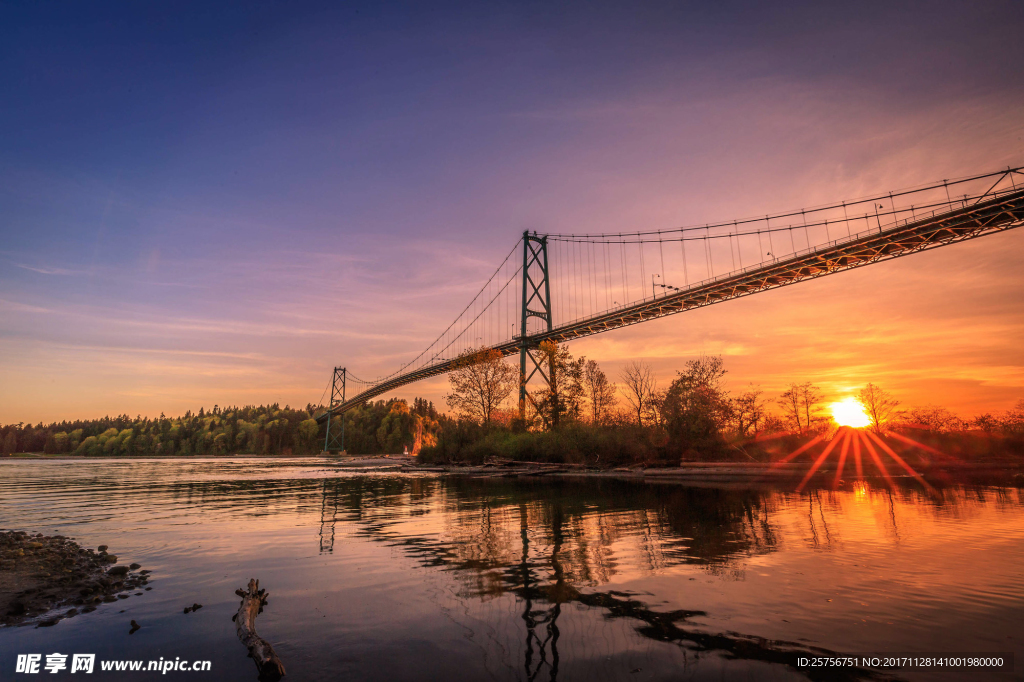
{"x": 267, "y": 663}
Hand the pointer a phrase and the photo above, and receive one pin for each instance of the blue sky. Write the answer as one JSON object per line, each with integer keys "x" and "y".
{"x": 208, "y": 203}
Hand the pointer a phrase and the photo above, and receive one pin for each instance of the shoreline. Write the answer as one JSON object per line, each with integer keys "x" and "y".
{"x": 999, "y": 472}
{"x": 1011, "y": 473}
{"x": 40, "y": 574}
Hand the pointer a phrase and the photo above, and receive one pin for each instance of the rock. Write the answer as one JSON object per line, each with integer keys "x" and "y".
{"x": 102, "y": 548}
{"x": 135, "y": 626}
{"x": 135, "y": 567}
{"x": 67, "y": 576}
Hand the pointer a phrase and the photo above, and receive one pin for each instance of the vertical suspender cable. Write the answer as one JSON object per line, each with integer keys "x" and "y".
{"x": 735, "y": 229}
{"x": 607, "y": 275}
{"x": 682, "y": 248}
{"x": 643, "y": 270}
{"x": 732, "y": 255}
{"x": 625, "y": 271}
{"x": 707, "y": 252}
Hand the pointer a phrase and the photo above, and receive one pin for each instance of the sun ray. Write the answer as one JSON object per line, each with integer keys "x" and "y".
{"x": 856, "y": 456}
{"x": 917, "y": 444}
{"x": 842, "y": 457}
{"x": 877, "y": 460}
{"x": 899, "y": 460}
{"x": 818, "y": 462}
{"x": 799, "y": 451}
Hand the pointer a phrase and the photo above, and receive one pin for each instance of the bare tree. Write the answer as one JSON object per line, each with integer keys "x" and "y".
{"x": 1013, "y": 421}
{"x": 656, "y": 407}
{"x": 748, "y": 411}
{"x": 600, "y": 392}
{"x": 639, "y": 385}
{"x": 801, "y": 403}
{"x": 986, "y": 422}
{"x": 480, "y": 383}
{"x": 934, "y": 419}
{"x": 879, "y": 404}
{"x": 810, "y": 396}
{"x": 789, "y": 401}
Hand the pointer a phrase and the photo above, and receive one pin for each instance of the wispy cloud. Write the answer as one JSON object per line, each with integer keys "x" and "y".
{"x": 46, "y": 270}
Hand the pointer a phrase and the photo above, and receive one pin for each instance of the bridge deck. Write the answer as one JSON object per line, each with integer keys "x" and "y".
{"x": 997, "y": 213}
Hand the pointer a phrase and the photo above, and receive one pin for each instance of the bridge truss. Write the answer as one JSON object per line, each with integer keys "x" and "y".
{"x": 568, "y": 286}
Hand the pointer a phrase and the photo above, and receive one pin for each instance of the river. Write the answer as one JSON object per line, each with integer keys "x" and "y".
{"x": 395, "y": 576}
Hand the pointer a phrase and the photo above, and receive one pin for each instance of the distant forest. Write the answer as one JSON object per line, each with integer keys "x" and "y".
{"x": 376, "y": 427}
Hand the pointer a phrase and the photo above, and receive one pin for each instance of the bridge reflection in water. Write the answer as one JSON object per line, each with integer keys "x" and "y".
{"x": 553, "y": 547}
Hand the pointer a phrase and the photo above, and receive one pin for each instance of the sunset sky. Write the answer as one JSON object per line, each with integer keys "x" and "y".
{"x": 215, "y": 204}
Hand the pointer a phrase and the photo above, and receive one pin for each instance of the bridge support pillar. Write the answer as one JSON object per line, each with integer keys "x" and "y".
{"x": 536, "y": 302}
{"x": 336, "y": 442}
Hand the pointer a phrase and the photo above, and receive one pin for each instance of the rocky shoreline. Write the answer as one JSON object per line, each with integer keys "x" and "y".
{"x": 45, "y": 578}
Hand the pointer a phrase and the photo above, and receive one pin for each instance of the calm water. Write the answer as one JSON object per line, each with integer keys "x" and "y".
{"x": 399, "y": 577}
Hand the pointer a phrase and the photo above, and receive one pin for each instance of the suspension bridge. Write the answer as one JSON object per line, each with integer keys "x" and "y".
{"x": 560, "y": 287}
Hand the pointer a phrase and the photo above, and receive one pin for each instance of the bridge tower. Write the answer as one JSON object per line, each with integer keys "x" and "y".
{"x": 337, "y": 441}
{"x": 536, "y": 302}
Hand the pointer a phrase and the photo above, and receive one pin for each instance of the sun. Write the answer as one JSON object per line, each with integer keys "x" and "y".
{"x": 849, "y": 412}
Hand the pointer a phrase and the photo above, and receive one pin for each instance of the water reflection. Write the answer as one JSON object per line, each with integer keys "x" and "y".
{"x": 570, "y": 578}
{"x": 566, "y": 542}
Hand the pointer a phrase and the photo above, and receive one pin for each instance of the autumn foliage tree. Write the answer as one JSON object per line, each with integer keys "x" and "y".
{"x": 600, "y": 392}
{"x": 562, "y": 395}
{"x": 480, "y": 383}
{"x": 697, "y": 406}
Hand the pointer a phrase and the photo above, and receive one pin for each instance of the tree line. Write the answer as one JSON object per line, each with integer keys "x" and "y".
{"x": 694, "y": 415}
{"x": 376, "y": 427}
{"x": 579, "y": 408}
